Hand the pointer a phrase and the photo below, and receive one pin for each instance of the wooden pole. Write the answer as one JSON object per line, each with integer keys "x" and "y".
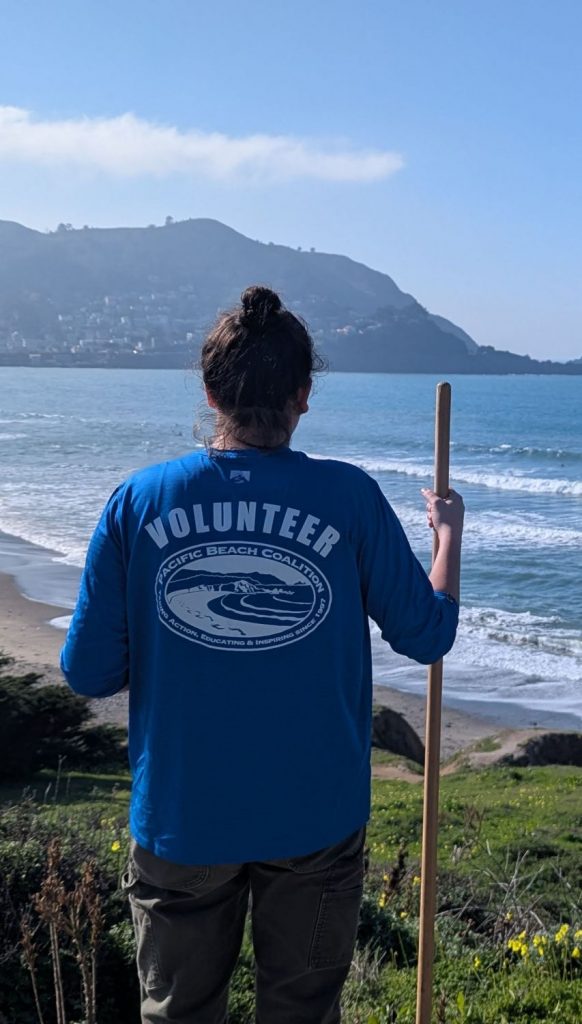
{"x": 432, "y": 745}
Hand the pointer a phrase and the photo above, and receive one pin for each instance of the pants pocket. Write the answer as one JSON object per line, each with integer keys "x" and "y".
{"x": 147, "y": 958}
{"x": 336, "y": 928}
{"x": 164, "y": 874}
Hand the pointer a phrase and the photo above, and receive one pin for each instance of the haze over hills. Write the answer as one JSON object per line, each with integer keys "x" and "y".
{"x": 145, "y": 297}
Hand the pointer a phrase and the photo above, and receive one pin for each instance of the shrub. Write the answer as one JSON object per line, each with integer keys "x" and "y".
{"x": 41, "y": 726}
{"x": 86, "y": 872}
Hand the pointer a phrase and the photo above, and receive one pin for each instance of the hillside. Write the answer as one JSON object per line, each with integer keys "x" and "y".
{"x": 68, "y": 267}
{"x": 145, "y": 297}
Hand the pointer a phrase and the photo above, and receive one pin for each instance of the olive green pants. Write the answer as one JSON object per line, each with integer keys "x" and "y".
{"x": 189, "y": 923}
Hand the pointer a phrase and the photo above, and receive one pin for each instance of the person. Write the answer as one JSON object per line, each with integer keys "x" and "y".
{"x": 230, "y": 589}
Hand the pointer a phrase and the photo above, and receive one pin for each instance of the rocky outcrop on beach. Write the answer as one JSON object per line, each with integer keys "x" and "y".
{"x": 391, "y": 732}
{"x": 549, "y": 748}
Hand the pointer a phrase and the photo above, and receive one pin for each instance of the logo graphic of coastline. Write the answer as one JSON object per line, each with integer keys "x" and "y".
{"x": 251, "y": 596}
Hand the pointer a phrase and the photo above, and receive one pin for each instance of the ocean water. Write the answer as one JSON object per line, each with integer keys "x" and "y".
{"x": 68, "y": 437}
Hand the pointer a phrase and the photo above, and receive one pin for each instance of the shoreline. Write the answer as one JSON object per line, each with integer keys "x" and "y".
{"x": 27, "y": 636}
{"x": 25, "y": 633}
{"x": 41, "y": 573}
{"x": 568, "y": 368}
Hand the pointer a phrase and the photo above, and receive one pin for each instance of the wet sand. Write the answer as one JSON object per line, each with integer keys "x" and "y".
{"x": 26, "y": 636}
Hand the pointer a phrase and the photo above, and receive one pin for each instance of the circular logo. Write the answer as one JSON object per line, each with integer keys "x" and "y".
{"x": 242, "y": 596}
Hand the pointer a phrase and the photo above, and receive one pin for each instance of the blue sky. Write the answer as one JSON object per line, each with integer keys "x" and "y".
{"x": 439, "y": 142}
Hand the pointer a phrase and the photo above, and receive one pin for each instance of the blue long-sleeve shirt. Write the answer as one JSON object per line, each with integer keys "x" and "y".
{"x": 232, "y": 591}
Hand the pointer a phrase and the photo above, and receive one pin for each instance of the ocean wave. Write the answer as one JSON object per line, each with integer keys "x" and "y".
{"x": 519, "y": 642}
{"x": 497, "y": 481}
{"x": 544, "y": 632}
{"x": 495, "y": 529}
{"x": 70, "y": 551}
{"x": 531, "y": 485}
{"x": 540, "y": 648}
{"x": 519, "y": 451}
{"x": 505, "y": 531}
{"x": 44, "y": 416}
{"x": 12, "y": 437}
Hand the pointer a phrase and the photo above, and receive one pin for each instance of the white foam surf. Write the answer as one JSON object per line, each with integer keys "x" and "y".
{"x": 495, "y": 529}
{"x": 65, "y": 549}
{"x": 497, "y": 481}
{"x": 61, "y": 622}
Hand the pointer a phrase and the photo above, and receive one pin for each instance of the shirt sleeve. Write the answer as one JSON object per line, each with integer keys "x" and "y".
{"x": 94, "y": 659}
{"x": 415, "y": 620}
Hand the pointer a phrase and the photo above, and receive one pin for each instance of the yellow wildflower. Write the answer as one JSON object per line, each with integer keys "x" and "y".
{"x": 522, "y": 935}
{"x": 382, "y": 901}
{"x": 576, "y": 953}
{"x": 477, "y": 962}
{"x": 561, "y": 933}
{"x": 403, "y": 914}
{"x": 115, "y": 846}
{"x": 416, "y": 880}
{"x": 517, "y": 946}
{"x": 509, "y": 916}
{"x": 540, "y": 942}
{"x": 578, "y": 934}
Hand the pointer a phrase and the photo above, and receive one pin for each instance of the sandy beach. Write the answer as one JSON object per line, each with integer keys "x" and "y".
{"x": 25, "y": 635}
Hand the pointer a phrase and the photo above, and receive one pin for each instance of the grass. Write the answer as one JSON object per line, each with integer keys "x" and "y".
{"x": 510, "y": 857}
{"x": 487, "y": 745}
{"x": 486, "y": 995}
{"x": 83, "y": 789}
{"x": 525, "y": 806}
{"x": 395, "y": 760}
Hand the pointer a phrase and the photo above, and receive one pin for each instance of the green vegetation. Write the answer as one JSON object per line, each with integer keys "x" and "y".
{"x": 395, "y": 761}
{"x": 49, "y": 726}
{"x": 487, "y": 745}
{"x": 509, "y": 922}
{"x": 522, "y": 808}
{"x": 63, "y": 847}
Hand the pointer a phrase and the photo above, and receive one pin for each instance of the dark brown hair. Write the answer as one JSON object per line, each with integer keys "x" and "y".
{"x": 254, "y": 361}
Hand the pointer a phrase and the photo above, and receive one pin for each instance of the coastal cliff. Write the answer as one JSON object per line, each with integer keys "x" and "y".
{"x": 145, "y": 297}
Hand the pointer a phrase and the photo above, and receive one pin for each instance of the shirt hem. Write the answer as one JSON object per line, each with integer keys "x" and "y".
{"x": 244, "y": 854}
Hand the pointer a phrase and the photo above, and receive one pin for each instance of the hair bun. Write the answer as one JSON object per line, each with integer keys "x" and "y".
{"x": 258, "y": 304}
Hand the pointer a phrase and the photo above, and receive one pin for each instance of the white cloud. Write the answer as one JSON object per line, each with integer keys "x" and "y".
{"x": 129, "y": 146}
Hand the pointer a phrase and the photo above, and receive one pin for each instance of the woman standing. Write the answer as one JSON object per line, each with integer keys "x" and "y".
{"x": 230, "y": 589}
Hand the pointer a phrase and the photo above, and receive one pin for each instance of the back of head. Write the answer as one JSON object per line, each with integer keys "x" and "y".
{"x": 254, "y": 362}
